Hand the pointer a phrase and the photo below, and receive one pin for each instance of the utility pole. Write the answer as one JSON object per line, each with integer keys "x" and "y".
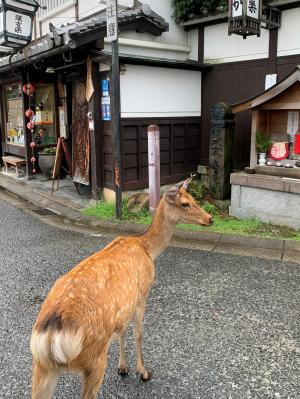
{"x": 112, "y": 36}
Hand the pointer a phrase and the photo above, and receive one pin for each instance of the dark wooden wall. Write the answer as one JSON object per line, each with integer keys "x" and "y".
{"x": 179, "y": 150}
{"x": 233, "y": 83}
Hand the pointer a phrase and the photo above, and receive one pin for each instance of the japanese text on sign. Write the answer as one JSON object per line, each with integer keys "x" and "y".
{"x": 253, "y": 8}
{"x": 237, "y": 8}
{"x": 111, "y": 20}
{"x": 19, "y": 22}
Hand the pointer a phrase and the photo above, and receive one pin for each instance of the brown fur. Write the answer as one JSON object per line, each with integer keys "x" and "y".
{"x": 98, "y": 298}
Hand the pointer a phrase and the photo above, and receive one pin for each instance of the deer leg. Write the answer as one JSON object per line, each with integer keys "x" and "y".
{"x": 138, "y": 332}
{"x": 122, "y": 366}
{"x": 43, "y": 382}
{"x": 93, "y": 377}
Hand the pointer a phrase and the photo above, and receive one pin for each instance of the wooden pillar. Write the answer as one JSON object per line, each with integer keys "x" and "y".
{"x": 96, "y": 136}
{"x": 27, "y": 134}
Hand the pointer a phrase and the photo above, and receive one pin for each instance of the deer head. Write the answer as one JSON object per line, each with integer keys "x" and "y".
{"x": 183, "y": 208}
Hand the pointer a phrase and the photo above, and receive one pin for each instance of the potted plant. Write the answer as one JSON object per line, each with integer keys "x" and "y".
{"x": 263, "y": 142}
{"x": 46, "y": 161}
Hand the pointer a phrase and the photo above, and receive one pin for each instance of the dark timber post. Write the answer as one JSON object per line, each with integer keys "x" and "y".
{"x": 153, "y": 166}
{"x": 112, "y": 35}
{"x": 221, "y": 151}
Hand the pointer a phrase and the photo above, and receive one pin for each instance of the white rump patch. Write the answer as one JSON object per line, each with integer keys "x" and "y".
{"x": 66, "y": 345}
{"x": 39, "y": 346}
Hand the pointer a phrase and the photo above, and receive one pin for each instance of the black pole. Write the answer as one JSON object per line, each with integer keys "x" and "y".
{"x": 117, "y": 126}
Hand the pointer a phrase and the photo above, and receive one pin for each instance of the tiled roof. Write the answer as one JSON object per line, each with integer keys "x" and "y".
{"x": 124, "y": 16}
{"x": 69, "y": 36}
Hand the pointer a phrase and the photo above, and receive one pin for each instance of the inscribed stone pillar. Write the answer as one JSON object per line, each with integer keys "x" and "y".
{"x": 221, "y": 150}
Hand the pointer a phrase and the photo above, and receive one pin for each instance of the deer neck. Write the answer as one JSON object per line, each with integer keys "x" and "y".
{"x": 160, "y": 231}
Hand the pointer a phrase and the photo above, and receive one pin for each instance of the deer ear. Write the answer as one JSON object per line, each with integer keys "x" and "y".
{"x": 186, "y": 183}
{"x": 172, "y": 192}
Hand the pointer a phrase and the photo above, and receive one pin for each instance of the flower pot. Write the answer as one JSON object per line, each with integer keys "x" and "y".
{"x": 262, "y": 158}
{"x": 46, "y": 163}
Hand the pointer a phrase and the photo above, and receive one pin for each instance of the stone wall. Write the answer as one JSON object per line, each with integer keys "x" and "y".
{"x": 267, "y": 198}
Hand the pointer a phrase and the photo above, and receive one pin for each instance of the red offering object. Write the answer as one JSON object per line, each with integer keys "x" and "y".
{"x": 297, "y": 144}
{"x": 32, "y": 144}
{"x": 279, "y": 151}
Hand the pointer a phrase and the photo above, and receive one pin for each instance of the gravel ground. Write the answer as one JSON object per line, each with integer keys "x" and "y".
{"x": 217, "y": 326}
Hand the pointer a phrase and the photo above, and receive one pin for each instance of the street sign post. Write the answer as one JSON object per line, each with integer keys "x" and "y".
{"x": 112, "y": 36}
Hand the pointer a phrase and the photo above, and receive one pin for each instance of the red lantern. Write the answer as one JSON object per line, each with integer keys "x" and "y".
{"x": 30, "y": 125}
{"x": 34, "y": 170}
{"x": 32, "y": 159}
{"x": 28, "y": 89}
{"x": 29, "y": 113}
{"x": 32, "y": 144}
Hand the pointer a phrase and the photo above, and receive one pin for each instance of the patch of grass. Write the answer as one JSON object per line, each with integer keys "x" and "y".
{"x": 106, "y": 211}
{"x": 222, "y": 223}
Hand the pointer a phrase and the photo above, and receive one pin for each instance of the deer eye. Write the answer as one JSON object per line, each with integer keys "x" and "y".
{"x": 185, "y": 205}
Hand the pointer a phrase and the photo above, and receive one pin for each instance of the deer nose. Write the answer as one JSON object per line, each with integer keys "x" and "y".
{"x": 210, "y": 221}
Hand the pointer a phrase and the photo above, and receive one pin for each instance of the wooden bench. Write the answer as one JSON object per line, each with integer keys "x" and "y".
{"x": 16, "y": 161}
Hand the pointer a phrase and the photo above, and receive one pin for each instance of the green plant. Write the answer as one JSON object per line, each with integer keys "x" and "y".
{"x": 49, "y": 150}
{"x": 198, "y": 191}
{"x": 183, "y": 8}
{"x": 263, "y": 142}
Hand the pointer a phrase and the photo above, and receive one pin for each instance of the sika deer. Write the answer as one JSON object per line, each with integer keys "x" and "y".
{"x": 98, "y": 298}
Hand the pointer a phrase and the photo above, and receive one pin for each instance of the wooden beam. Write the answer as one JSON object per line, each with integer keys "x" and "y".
{"x": 96, "y": 136}
{"x": 273, "y": 42}
{"x": 254, "y": 129}
{"x": 201, "y": 44}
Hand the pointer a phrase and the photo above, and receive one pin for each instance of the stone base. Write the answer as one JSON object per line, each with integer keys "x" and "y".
{"x": 266, "y": 198}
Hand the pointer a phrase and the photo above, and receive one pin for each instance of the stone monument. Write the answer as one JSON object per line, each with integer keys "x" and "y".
{"x": 221, "y": 151}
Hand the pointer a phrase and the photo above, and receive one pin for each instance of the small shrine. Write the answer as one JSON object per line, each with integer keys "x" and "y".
{"x": 269, "y": 189}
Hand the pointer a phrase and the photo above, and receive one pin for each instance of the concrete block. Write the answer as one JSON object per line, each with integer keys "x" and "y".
{"x": 239, "y": 179}
{"x": 290, "y": 245}
{"x": 290, "y": 256}
{"x": 267, "y": 182}
{"x": 235, "y": 195}
{"x": 253, "y": 242}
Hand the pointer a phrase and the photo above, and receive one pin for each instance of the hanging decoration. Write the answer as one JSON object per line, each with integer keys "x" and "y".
{"x": 29, "y": 113}
{"x": 244, "y": 17}
{"x": 28, "y": 89}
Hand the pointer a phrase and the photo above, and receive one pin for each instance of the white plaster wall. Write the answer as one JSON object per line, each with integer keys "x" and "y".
{"x": 288, "y": 34}
{"x": 160, "y": 92}
{"x": 175, "y": 36}
{"x": 193, "y": 43}
{"x": 220, "y": 47}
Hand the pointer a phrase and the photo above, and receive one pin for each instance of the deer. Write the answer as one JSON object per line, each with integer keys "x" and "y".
{"x": 95, "y": 301}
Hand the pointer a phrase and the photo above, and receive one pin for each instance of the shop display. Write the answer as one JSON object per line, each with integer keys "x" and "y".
{"x": 14, "y": 132}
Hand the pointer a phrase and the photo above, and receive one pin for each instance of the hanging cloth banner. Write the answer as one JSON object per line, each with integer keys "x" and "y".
{"x": 297, "y": 144}
{"x": 279, "y": 151}
{"x": 89, "y": 91}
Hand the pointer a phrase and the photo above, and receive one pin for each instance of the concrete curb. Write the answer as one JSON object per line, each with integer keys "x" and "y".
{"x": 70, "y": 212}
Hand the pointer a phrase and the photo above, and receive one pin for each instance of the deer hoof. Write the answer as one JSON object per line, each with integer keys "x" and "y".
{"x": 123, "y": 371}
{"x": 145, "y": 376}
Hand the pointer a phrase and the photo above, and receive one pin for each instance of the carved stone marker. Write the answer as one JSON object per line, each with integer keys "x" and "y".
{"x": 220, "y": 151}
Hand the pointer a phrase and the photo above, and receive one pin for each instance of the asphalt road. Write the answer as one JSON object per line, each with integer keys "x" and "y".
{"x": 217, "y": 326}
